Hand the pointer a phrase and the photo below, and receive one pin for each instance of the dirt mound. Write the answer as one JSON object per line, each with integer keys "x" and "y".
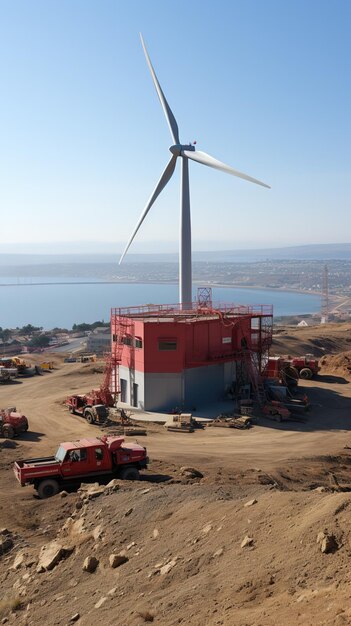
{"x": 182, "y": 554}
{"x": 317, "y": 340}
{"x": 337, "y": 364}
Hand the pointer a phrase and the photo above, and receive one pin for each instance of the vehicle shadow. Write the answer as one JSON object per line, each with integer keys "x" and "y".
{"x": 329, "y": 378}
{"x": 330, "y": 410}
{"x": 8, "y": 444}
{"x": 32, "y": 435}
{"x": 155, "y": 478}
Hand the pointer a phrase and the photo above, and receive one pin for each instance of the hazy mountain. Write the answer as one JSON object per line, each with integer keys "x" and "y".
{"x": 307, "y": 252}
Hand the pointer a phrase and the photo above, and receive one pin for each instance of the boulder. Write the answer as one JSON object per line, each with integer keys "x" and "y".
{"x": 329, "y": 544}
{"x": 19, "y": 560}
{"x": 167, "y": 568}
{"x": 6, "y": 544}
{"x": 251, "y": 502}
{"x": 51, "y": 554}
{"x": 113, "y": 485}
{"x": 191, "y": 472}
{"x": 117, "y": 559}
{"x": 90, "y": 564}
{"x": 246, "y": 542}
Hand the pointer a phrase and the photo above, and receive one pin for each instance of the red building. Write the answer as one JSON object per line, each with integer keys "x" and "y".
{"x": 164, "y": 358}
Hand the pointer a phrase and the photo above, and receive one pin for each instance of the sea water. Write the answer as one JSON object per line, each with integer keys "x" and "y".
{"x": 63, "y": 303}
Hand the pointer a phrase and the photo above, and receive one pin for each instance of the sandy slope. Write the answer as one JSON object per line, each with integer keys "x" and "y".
{"x": 281, "y": 578}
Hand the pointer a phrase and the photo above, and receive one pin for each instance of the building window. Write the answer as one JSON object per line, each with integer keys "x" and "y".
{"x": 167, "y": 344}
{"x": 127, "y": 340}
{"x": 138, "y": 342}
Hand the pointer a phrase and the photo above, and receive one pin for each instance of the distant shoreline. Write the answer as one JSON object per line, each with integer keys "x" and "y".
{"x": 166, "y": 282}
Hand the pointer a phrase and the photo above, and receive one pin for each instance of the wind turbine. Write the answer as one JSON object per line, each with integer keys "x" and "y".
{"x": 185, "y": 152}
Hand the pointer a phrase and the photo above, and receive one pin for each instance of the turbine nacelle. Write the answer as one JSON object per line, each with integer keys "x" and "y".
{"x": 178, "y": 148}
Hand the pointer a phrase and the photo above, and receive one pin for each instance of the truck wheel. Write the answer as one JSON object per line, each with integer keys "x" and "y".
{"x": 8, "y": 431}
{"x": 129, "y": 473}
{"x": 89, "y": 417}
{"x": 48, "y": 488}
{"x": 306, "y": 373}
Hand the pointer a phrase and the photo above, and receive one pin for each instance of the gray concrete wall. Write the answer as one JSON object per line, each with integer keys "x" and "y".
{"x": 163, "y": 392}
{"x": 139, "y": 380}
{"x": 195, "y": 386}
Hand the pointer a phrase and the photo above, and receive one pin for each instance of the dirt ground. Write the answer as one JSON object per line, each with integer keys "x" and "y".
{"x": 182, "y": 535}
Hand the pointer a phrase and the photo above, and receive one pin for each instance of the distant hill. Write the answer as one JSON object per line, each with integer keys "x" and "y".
{"x": 323, "y": 252}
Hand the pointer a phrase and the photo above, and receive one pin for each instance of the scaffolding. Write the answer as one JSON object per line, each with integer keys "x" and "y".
{"x": 122, "y": 330}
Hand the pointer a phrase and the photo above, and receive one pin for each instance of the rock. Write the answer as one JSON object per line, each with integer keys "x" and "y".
{"x": 113, "y": 485}
{"x": 128, "y": 512}
{"x": 64, "y": 494}
{"x": 247, "y": 541}
{"x": 117, "y": 559}
{"x": 97, "y": 532}
{"x": 155, "y": 533}
{"x": 320, "y": 489}
{"x": 251, "y": 502}
{"x": 51, "y": 554}
{"x": 191, "y": 472}
{"x": 320, "y": 537}
{"x": 112, "y": 591}
{"x": 6, "y": 544}
{"x": 218, "y": 553}
{"x": 19, "y": 560}
{"x": 329, "y": 544}
{"x": 100, "y": 602}
{"x": 131, "y": 545}
{"x": 74, "y": 618}
{"x": 167, "y": 568}
{"x": 90, "y": 564}
{"x": 144, "y": 491}
{"x": 95, "y": 493}
{"x": 5, "y": 531}
{"x": 206, "y": 529}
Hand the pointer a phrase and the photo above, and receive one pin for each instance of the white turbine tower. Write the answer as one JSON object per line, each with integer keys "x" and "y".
{"x": 186, "y": 152}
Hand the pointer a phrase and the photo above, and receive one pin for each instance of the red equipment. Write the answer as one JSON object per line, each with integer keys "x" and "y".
{"x": 307, "y": 366}
{"x": 12, "y": 423}
{"x": 94, "y": 405}
{"x": 101, "y": 458}
{"x": 90, "y": 406}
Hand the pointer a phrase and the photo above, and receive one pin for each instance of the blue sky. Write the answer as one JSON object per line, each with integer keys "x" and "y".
{"x": 263, "y": 85}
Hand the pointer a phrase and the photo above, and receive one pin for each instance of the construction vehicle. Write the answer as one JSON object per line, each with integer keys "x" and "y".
{"x": 276, "y": 410}
{"x": 14, "y": 361}
{"x": 7, "y": 374}
{"x": 307, "y": 366}
{"x": 284, "y": 396}
{"x": 12, "y": 423}
{"x": 88, "y": 460}
{"x": 181, "y": 422}
{"x": 289, "y": 369}
{"x": 95, "y": 404}
{"x": 90, "y": 406}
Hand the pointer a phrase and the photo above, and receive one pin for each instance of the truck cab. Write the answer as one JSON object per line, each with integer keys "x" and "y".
{"x": 96, "y": 459}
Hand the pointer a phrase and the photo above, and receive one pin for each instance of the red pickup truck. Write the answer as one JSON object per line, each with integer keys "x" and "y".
{"x": 98, "y": 459}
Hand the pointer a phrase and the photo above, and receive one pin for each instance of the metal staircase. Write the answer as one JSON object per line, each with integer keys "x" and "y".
{"x": 252, "y": 366}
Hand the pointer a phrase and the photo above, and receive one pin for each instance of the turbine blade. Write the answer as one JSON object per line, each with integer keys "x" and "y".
{"x": 206, "y": 159}
{"x": 165, "y": 178}
{"x": 173, "y": 126}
